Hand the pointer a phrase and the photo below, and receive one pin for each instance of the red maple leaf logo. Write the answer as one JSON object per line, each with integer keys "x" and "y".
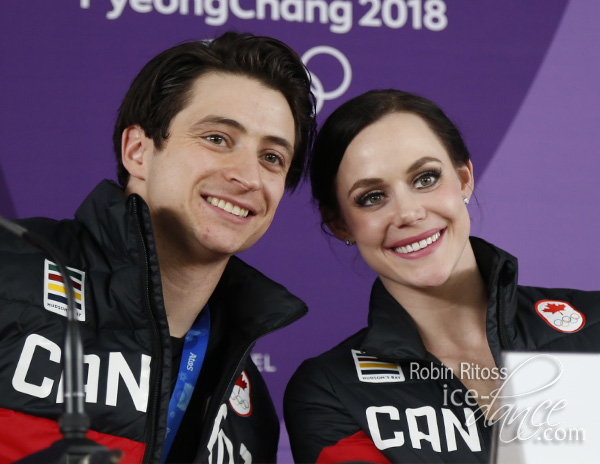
{"x": 554, "y": 308}
{"x": 241, "y": 383}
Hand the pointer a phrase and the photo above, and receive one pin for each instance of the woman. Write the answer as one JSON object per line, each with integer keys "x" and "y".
{"x": 391, "y": 174}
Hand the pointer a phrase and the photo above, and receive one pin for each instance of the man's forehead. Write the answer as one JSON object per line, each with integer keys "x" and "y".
{"x": 209, "y": 81}
{"x": 231, "y": 84}
{"x": 239, "y": 101}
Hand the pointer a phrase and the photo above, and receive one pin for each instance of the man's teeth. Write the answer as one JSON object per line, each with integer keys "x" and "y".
{"x": 229, "y": 207}
{"x": 418, "y": 245}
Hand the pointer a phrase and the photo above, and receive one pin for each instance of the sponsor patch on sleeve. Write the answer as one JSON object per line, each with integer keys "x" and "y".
{"x": 560, "y": 315}
{"x": 372, "y": 370}
{"x": 55, "y": 292}
{"x": 240, "y": 396}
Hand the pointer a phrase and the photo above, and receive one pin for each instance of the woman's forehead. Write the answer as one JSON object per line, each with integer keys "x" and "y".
{"x": 397, "y": 138}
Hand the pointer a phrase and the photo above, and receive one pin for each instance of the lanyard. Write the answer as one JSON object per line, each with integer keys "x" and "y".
{"x": 194, "y": 349}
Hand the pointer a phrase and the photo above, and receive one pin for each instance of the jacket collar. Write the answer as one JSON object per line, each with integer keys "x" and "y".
{"x": 392, "y": 333}
{"x": 107, "y": 216}
{"x": 255, "y": 305}
{"x": 254, "y": 302}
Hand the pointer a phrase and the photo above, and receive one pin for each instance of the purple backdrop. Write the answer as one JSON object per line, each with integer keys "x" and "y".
{"x": 520, "y": 79}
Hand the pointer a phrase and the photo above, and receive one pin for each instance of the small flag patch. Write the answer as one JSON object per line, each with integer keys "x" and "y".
{"x": 240, "y": 396}
{"x": 372, "y": 370}
{"x": 55, "y": 292}
{"x": 560, "y": 315}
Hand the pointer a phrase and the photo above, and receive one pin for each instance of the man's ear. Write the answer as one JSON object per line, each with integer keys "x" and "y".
{"x": 135, "y": 148}
{"x": 467, "y": 181}
{"x": 336, "y": 225}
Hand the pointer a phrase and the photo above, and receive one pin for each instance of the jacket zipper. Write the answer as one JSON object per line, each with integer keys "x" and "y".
{"x": 156, "y": 346}
{"x": 218, "y": 404}
{"x": 501, "y": 321}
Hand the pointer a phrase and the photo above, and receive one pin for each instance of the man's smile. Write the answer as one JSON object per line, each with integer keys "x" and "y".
{"x": 228, "y": 206}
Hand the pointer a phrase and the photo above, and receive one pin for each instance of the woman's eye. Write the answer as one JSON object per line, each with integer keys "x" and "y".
{"x": 427, "y": 179}
{"x": 370, "y": 199}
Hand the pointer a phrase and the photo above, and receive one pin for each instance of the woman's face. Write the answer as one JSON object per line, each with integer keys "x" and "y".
{"x": 402, "y": 201}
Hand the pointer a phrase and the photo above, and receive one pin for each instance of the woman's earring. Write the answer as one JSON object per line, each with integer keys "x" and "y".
{"x": 466, "y": 200}
{"x": 349, "y": 242}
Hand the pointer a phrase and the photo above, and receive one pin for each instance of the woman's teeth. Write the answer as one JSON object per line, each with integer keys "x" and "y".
{"x": 418, "y": 245}
{"x": 229, "y": 207}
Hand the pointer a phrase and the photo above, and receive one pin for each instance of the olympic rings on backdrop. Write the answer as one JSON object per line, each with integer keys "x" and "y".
{"x": 317, "y": 86}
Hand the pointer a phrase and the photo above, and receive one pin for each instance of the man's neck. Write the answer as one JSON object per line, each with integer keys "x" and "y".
{"x": 186, "y": 291}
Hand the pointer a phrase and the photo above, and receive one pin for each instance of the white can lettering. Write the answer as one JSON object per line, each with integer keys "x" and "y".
{"x": 377, "y": 416}
{"x": 118, "y": 367}
{"x": 19, "y": 383}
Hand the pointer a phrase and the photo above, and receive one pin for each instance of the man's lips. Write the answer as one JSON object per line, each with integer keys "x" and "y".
{"x": 236, "y": 210}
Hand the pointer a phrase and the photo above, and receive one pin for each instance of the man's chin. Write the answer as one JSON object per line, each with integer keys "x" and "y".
{"x": 221, "y": 248}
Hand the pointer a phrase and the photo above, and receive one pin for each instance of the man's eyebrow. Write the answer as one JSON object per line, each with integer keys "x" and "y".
{"x": 212, "y": 119}
{"x": 215, "y": 119}
{"x": 283, "y": 143}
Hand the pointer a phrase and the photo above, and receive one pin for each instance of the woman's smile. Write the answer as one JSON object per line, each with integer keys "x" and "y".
{"x": 425, "y": 243}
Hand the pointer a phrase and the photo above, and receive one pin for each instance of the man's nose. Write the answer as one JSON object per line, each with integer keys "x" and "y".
{"x": 245, "y": 169}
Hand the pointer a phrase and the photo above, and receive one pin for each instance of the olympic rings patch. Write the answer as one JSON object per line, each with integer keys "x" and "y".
{"x": 560, "y": 315}
{"x": 240, "y": 396}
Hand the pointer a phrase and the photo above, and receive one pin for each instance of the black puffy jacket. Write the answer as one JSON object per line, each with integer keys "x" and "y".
{"x": 379, "y": 396}
{"x": 110, "y": 250}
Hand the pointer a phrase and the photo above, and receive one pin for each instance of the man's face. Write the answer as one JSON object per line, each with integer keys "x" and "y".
{"x": 214, "y": 187}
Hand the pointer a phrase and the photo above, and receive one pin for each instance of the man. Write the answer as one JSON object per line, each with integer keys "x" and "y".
{"x": 208, "y": 137}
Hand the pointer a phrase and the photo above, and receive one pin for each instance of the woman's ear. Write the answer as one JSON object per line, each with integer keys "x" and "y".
{"x": 467, "y": 181}
{"x": 336, "y": 225}
{"x": 134, "y": 151}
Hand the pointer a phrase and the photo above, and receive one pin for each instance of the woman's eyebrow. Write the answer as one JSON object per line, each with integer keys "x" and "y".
{"x": 367, "y": 182}
{"x": 372, "y": 181}
{"x": 420, "y": 162}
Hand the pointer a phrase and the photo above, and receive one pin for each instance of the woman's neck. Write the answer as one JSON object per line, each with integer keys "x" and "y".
{"x": 451, "y": 320}
{"x": 451, "y": 313}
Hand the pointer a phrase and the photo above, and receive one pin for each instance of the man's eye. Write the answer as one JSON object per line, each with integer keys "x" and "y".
{"x": 215, "y": 139}
{"x": 273, "y": 158}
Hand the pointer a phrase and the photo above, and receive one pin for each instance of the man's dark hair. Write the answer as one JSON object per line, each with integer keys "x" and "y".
{"x": 345, "y": 123}
{"x": 164, "y": 86}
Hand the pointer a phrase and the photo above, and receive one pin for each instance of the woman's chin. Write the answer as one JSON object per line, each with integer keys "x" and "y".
{"x": 419, "y": 281}
{"x": 431, "y": 280}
